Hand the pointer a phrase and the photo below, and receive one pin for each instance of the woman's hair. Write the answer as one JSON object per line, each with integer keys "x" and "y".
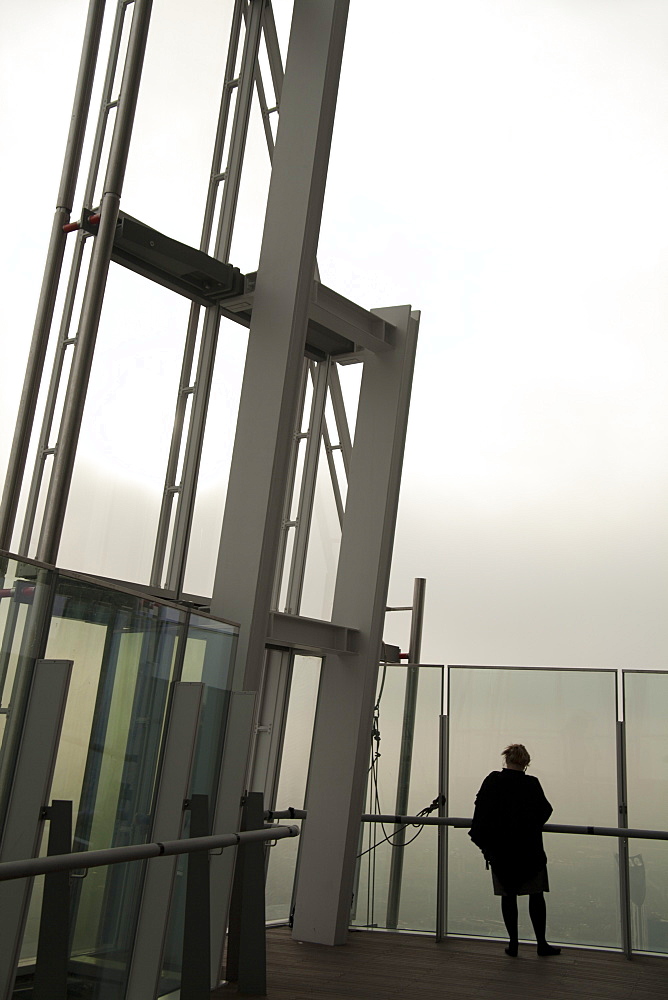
{"x": 517, "y": 754}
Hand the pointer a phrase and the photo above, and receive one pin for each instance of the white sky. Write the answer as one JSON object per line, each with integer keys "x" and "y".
{"x": 501, "y": 165}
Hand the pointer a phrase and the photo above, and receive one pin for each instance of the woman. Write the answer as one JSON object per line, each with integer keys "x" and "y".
{"x": 510, "y": 811}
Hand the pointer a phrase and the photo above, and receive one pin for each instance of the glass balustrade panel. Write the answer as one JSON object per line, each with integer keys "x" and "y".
{"x": 124, "y": 649}
{"x": 209, "y": 658}
{"x": 401, "y": 893}
{"x": 645, "y": 715}
{"x": 292, "y": 781}
{"x": 567, "y": 721}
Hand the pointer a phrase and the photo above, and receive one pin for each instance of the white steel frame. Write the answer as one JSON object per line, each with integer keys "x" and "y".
{"x": 282, "y": 308}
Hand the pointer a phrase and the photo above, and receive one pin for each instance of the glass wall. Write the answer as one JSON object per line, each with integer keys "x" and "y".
{"x": 127, "y": 650}
{"x": 292, "y": 780}
{"x": 209, "y": 656}
{"x": 567, "y": 720}
{"x": 416, "y": 909}
{"x": 645, "y": 715}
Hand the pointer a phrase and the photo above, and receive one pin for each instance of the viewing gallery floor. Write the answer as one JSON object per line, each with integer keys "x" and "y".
{"x": 400, "y": 966}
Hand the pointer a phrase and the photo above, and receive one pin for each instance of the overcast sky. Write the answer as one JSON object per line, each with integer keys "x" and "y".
{"x": 500, "y": 164}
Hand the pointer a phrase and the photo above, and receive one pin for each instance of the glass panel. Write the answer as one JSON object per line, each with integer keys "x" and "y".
{"x": 417, "y": 907}
{"x": 124, "y": 649}
{"x": 214, "y": 470}
{"x": 567, "y": 719}
{"x": 645, "y": 714}
{"x": 25, "y": 596}
{"x": 292, "y": 782}
{"x": 119, "y": 472}
{"x": 209, "y": 656}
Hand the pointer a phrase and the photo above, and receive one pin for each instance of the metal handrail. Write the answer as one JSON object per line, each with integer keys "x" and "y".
{"x": 137, "y": 852}
{"x": 460, "y": 822}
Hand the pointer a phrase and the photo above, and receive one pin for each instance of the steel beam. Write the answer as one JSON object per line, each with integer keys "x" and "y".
{"x": 340, "y": 748}
{"x": 270, "y": 393}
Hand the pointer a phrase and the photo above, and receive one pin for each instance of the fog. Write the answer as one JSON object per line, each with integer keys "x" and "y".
{"x": 501, "y": 166}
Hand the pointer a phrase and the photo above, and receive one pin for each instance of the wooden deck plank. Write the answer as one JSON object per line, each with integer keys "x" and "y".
{"x": 379, "y": 966}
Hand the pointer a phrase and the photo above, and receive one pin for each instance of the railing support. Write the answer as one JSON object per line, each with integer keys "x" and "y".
{"x": 246, "y": 940}
{"x": 196, "y": 960}
{"x": 53, "y": 945}
{"x": 624, "y": 886}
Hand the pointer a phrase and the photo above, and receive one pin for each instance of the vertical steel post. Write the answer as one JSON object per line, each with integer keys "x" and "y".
{"x": 235, "y": 160}
{"x": 442, "y": 860}
{"x": 33, "y": 774}
{"x": 196, "y": 961}
{"x": 53, "y": 945}
{"x": 623, "y": 821}
{"x": 52, "y": 269}
{"x": 61, "y": 476}
{"x": 246, "y": 948}
{"x": 406, "y": 753}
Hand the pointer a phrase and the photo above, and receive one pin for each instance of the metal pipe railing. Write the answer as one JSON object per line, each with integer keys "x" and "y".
{"x": 137, "y": 852}
{"x": 464, "y": 823}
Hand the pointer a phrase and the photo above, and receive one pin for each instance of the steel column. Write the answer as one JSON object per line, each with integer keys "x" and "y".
{"x": 61, "y": 476}
{"x": 340, "y": 748}
{"x": 52, "y": 269}
{"x": 269, "y": 398}
{"x": 235, "y": 160}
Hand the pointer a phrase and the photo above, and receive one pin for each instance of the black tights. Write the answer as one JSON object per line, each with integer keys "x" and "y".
{"x": 537, "y": 912}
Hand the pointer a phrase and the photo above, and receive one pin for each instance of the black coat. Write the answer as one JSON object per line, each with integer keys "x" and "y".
{"x": 510, "y": 811}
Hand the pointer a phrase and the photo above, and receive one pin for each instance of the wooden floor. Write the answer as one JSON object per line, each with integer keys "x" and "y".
{"x": 377, "y": 966}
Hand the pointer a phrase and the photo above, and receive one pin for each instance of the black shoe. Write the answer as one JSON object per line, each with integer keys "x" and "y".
{"x": 512, "y": 949}
{"x": 547, "y": 949}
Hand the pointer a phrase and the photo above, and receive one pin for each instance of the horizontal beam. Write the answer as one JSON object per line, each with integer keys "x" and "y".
{"x": 337, "y": 326}
{"x": 310, "y": 634}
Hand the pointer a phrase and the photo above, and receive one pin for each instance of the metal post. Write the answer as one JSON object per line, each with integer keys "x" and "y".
{"x": 235, "y": 160}
{"x": 31, "y": 788}
{"x": 442, "y": 863}
{"x": 52, "y": 269}
{"x": 193, "y": 452}
{"x": 406, "y": 753}
{"x": 246, "y": 947}
{"x": 195, "y": 983}
{"x": 53, "y": 945}
{"x": 63, "y": 466}
{"x": 624, "y": 885}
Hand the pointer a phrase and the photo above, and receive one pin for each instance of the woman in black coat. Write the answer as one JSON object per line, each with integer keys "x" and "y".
{"x": 510, "y": 811}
